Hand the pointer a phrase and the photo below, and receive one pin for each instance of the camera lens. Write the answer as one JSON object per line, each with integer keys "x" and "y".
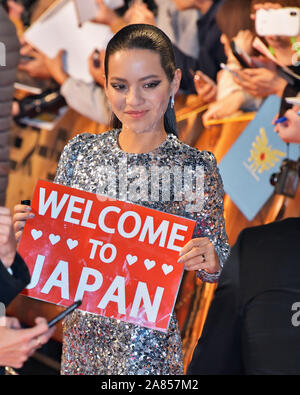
{"x": 293, "y": 13}
{"x": 274, "y": 179}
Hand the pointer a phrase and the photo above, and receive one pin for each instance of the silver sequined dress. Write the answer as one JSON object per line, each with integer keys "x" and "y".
{"x": 95, "y": 345}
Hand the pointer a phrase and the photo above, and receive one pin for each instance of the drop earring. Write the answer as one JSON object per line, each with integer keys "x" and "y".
{"x": 172, "y": 102}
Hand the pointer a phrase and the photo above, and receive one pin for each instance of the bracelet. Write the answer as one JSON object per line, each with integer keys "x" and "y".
{"x": 208, "y": 277}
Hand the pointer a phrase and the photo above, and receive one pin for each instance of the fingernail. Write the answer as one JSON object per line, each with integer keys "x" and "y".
{"x": 28, "y": 208}
{"x": 179, "y": 260}
{"x": 31, "y": 215}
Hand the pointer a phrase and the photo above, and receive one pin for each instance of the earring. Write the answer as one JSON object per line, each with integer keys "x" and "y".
{"x": 172, "y": 101}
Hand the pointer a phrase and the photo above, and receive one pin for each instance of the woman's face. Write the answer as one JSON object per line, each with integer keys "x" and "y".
{"x": 139, "y": 90}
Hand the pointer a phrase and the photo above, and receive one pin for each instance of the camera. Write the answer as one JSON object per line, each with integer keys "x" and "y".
{"x": 278, "y": 22}
{"x": 287, "y": 180}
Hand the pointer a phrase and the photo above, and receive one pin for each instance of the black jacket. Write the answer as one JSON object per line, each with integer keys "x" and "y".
{"x": 12, "y": 284}
{"x": 249, "y": 328}
{"x": 211, "y": 52}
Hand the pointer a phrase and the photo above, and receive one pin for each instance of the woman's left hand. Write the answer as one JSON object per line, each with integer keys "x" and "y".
{"x": 200, "y": 254}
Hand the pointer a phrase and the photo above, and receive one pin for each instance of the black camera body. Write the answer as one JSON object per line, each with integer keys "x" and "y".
{"x": 287, "y": 180}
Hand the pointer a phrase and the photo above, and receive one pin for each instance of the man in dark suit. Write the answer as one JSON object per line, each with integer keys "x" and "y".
{"x": 16, "y": 344}
{"x": 252, "y": 324}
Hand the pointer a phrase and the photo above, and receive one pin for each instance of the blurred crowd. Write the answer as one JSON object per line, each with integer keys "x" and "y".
{"x": 206, "y": 35}
{"x": 203, "y": 33}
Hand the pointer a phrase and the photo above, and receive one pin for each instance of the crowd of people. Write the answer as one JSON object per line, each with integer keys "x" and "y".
{"x": 190, "y": 46}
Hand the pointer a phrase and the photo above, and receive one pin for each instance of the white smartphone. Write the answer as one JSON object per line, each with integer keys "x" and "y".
{"x": 114, "y": 4}
{"x": 293, "y": 100}
{"x": 278, "y": 22}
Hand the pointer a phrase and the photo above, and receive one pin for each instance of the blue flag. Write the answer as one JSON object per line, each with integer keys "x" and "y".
{"x": 255, "y": 156}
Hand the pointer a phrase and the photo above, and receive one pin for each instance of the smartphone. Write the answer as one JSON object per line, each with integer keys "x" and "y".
{"x": 114, "y": 4}
{"x": 278, "y": 22}
{"x": 243, "y": 58}
{"x": 64, "y": 313}
{"x": 26, "y": 202}
{"x": 96, "y": 61}
{"x": 293, "y": 100}
{"x": 225, "y": 67}
{"x": 284, "y": 106}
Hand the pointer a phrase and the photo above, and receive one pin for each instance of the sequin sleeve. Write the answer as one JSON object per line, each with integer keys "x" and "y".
{"x": 210, "y": 221}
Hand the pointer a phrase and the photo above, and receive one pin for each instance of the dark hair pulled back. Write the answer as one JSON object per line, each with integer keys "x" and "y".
{"x": 142, "y": 36}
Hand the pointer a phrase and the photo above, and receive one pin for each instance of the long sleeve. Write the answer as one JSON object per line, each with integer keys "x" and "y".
{"x": 210, "y": 221}
{"x": 12, "y": 284}
{"x": 87, "y": 99}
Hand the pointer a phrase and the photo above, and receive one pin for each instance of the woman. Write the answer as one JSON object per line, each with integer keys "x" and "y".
{"x": 141, "y": 81}
{"x": 226, "y": 97}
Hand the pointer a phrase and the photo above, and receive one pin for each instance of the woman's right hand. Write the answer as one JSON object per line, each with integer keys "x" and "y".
{"x": 21, "y": 214}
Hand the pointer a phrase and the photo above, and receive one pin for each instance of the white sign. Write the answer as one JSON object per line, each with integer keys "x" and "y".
{"x": 57, "y": 29}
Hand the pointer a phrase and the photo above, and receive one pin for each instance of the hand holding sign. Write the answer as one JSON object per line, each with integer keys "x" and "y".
{"x": 200, "y": 254}
{"x": 22, "y": 213}
{"x": 119, "y": 258}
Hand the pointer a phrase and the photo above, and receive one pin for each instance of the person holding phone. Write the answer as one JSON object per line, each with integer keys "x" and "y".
{"x": 16, "y": 344}
{"x": 141, "y": 81}
{"x": 227, "y": 97}
{"x": 264, "y": 80}
{"x": 211, "y": 50}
